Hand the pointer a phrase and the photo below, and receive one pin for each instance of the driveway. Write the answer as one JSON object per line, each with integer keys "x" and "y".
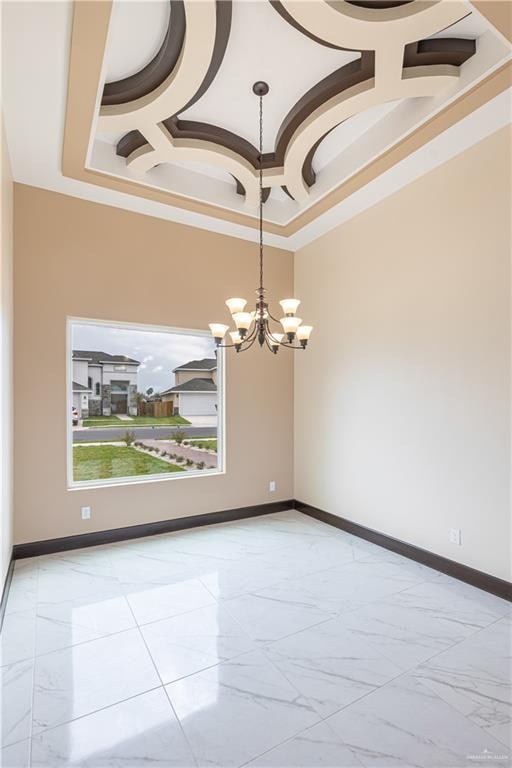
{"x": 203, "y": 421}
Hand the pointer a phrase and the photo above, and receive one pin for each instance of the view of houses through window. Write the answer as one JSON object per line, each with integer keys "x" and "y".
{"x": 143, "y": 402}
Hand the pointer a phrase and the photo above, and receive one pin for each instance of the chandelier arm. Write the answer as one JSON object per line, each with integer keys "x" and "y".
{"x": 247, "y": 346}
{"x": 273, "y": 318}
{"x": 252, "y": 334}
{"x": 288, "y": 345}
{"x": 224, "y": 346}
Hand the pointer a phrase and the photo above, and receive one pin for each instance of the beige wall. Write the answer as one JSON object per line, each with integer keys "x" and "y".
{"x": 6, "y": 505}
{"x": 402, "y": 403}
{"x": 77, "y": 258}
{"x": 181, "y": 377}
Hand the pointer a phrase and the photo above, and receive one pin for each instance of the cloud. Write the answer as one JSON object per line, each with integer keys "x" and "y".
{"x": 148, "y": 358}
{"x": 158, "y": 368}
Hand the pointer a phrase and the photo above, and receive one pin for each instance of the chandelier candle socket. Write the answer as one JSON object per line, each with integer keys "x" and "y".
{"x": 255, "y": 325}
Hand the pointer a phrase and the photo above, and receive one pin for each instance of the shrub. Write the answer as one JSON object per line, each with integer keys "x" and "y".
{"x": 186, "y": 442}
{"x": 179, "y": 436}
{"x": 129, "y": 438}
{"x": 200, "y": 465}
{"x": 188, "y": 462}
{"x": 180, "y": 459}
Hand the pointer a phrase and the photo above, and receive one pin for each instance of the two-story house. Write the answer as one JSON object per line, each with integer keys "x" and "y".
{"x": 195, "y": 389}
{"x": 103, "y": 384}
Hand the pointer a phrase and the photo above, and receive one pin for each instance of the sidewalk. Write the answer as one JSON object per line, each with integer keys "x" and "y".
{"x": 210, "y": 459}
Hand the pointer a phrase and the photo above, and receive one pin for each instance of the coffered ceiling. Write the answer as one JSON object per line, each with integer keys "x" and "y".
{"x": 160, "y": 105}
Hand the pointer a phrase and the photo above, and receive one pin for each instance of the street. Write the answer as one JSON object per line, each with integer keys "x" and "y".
{"x": 114, "y": 433}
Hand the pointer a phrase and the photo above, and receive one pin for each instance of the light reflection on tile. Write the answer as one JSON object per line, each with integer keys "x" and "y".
{"x": 79, "y": 680}
{"x": 59, "y": 625}
{"x": 193, "y": 641}
{"x": 162, "y": 602}
{"x": 136, "y": 732}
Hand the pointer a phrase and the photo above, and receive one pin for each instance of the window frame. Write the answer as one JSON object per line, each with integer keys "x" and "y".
{"x": 220, "y": 469}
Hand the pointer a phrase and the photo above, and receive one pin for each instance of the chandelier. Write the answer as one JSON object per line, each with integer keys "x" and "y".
{"x": 255, "y": 325}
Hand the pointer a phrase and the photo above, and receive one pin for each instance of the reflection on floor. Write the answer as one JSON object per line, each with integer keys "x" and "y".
{"x": 275, "y": 641}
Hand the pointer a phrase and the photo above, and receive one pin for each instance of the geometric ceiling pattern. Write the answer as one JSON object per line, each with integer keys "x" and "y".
{"x": 396, "y": 59}
{"x": 160, "y": 104}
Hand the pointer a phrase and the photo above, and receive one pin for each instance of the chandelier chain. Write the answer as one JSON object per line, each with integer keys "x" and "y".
{"x": 261, "y": 193}
{"x": 256, "y": 325}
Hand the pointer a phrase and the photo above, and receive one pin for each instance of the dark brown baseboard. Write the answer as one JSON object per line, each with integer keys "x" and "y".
{"x": 479, "y": 579}
{"x": 50, "y": 546}
{"x": 476, "y": 578}
{"x": 5, "y": 590}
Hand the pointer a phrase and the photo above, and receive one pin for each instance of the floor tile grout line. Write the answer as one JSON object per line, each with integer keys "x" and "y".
{"x": 109, "y": 634}
{"x": 180, "y": 724}
{"x": 94, "y": 711}
{"x": 409, "y": 672}
{"x": 166, "y": 694}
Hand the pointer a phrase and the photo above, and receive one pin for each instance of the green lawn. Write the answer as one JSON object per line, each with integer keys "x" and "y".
{"x": 100, "y": 462}
{"x": 135, "y": 421}
{"x": 210, "y": 445}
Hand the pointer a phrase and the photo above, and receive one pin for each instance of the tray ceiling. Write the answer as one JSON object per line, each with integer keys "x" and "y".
{"x": 347, "y": 81}
{"x": 159, "y": 115}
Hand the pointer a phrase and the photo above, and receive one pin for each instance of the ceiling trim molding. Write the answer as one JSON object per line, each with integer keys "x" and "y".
{"x": 89, "y": 36}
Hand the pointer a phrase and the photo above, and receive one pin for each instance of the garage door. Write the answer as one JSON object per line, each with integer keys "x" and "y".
{"x": 198, "y": 405}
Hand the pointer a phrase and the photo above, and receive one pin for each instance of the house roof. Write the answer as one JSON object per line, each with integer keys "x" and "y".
{"x": 80, "y": 387}
{"x": 194, "y": 385}
{"x": 102, "y": 357}
{"x": 206, "y": 364}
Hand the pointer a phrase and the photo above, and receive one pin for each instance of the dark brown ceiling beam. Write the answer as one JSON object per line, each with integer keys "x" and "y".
{"x": 377, "y": 5}
{"x": 439, "y": 50}
{"x": 153, "y": 74}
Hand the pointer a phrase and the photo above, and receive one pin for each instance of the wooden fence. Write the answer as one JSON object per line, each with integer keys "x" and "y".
{"x": 157, "y": 409}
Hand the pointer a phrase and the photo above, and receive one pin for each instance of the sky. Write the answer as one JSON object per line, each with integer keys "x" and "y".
{"x": 157, "y": 352}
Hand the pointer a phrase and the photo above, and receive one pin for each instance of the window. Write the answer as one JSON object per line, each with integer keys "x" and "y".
{"x": 157, "y": 408}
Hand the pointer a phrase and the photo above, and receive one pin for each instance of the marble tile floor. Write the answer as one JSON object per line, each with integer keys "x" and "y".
{"x": 274, "y": 641}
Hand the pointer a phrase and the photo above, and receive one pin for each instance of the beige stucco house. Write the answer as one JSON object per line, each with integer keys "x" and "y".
{"x": 195, "y": 388}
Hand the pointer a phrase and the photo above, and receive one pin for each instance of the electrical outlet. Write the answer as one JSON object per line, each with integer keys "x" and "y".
{"x": 455, "y": 536}
{"x": 272, "y": 486}
{"x": 86, "y": 513}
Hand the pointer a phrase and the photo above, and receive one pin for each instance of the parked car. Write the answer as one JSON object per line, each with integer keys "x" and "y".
{"x": 74, "y": 416}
